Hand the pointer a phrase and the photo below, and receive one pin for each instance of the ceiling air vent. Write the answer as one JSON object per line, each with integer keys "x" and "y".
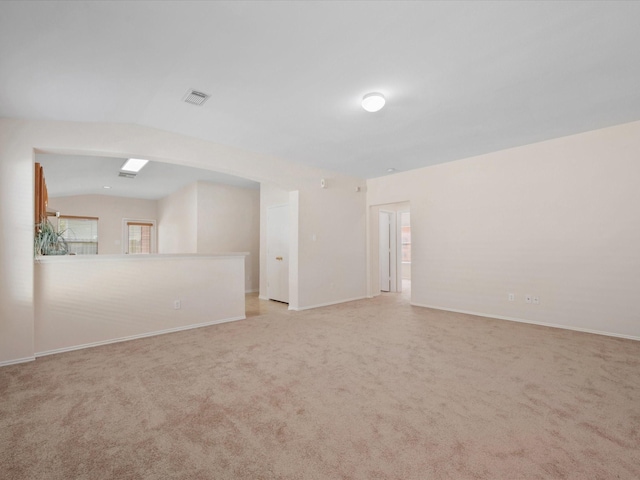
{"x": 195, "y": 97}
{"x": 127, "y": 175}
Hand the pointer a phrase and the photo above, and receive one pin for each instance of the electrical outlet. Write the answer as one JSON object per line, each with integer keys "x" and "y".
{"x": 527, "y": 298}
{"x": 512, "y": 297}
{"x": 177, "y": 305}
{"x": 536, "y": 300}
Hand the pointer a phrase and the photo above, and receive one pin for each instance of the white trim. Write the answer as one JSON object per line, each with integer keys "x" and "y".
{"x": 393, "y": 250}
{"x": 327, "y": 304}
{"x": 531, "y": 322}
{"x": 261, "y": 297}
{"x": 135, "y": 337}
{"x": 6, "y": 363}
{"x": 252, "y": 290}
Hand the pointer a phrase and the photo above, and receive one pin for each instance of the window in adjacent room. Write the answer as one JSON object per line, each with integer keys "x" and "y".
{"x": 139, "y": 236}
{"x": 80, "y": 233}
{"x": 405, "y": 222}
{"x": 405, "y": 232}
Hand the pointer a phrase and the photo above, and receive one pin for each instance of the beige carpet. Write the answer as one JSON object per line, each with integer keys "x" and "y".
{"x": 374, "y": 389}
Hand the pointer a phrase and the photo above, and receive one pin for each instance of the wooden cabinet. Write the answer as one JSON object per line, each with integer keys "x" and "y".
{"x": 41, "y": 195}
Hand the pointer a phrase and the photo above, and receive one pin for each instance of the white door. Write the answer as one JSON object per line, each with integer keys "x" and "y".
{"x": 384, "y": 226}
{"x": 278, "y": 253}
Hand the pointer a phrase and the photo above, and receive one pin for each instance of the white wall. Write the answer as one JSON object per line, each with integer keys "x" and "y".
{"x": 87, "y": 300}
{"x": 208, "y": 217}
{"x": 178, "y": 221}
{"x": 110, "y": 211}
{"x": 337, "y": 210}
{"x": 16, "y": 245}
{"x": 339, "y": 234}
{"x": 557, "y": 219}
{"x": 229, "y": 221}
{"x": 218, "y": 218}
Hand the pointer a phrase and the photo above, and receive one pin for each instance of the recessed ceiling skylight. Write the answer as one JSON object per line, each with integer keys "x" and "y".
{"x": 134, "y": 165}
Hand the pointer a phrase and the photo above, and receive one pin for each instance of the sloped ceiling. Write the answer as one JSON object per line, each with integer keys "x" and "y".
{"x": 68, "y": 175}
{"x": 286, "y": 78}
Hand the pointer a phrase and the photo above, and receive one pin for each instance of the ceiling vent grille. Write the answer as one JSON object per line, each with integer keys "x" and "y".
{"x": 127, "y": 175}
{"x": 195, "y": 97}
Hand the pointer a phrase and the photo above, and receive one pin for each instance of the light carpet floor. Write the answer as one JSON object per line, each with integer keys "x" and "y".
{"x": 373, "y": 389}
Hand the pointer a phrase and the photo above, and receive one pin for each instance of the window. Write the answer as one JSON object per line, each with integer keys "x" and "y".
{"x": 406, "y": 237}
{"x": 139, "y": 236}
{"x": 80, "y": 233}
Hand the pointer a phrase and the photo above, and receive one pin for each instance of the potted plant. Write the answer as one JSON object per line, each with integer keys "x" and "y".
{"x": 49, "y": 242}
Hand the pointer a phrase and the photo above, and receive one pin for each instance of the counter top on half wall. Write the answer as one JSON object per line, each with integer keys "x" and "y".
{"x": 155, "y": 256}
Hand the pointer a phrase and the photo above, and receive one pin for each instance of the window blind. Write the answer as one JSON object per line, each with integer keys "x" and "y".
{"x": 139, "y": 237}
{"x": 80, "y": 233}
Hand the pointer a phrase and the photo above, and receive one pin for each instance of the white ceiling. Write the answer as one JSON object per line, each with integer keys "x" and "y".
{"x": 286, "y": 78}
{"x": 81, "y": 175}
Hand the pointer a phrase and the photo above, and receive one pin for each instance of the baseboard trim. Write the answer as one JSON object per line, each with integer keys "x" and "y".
{"x": 6, "y": 363}
{"x": 263, "y": 298}
{"x": 298, "y": 309}
{"x": 531, "y": 322}
{"x": 136, "y": 337}
{"x": 255, "y": 290}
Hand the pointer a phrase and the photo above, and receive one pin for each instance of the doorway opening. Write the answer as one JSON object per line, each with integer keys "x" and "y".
{"x": 390, "y": 247}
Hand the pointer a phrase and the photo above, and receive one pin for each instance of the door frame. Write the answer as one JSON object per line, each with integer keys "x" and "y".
{"x": 393, "y": 250}
{"x": 373, "y": 244}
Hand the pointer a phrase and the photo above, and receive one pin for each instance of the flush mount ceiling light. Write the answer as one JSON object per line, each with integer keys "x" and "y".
{"x": 372, "y": 102}
{"x": 134, "y": 165}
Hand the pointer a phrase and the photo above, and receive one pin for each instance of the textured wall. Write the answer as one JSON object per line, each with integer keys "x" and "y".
{"x": 337, "y": 210}
{"x": 557, "y": 220}
{"x": 229, "y": 221}
{"x": 86, "y": 300}
{"x": 178, "y": 221}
